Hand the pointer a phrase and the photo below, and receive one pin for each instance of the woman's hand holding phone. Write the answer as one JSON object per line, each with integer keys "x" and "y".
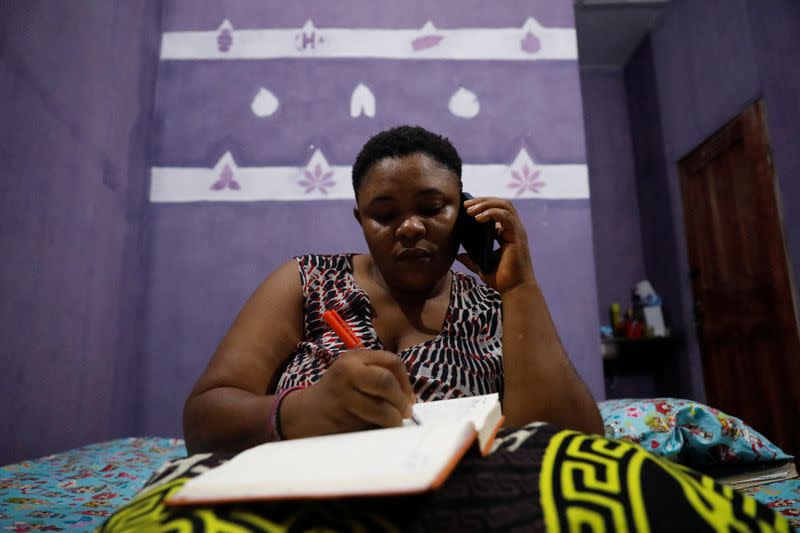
{"x": 514, "y": 266}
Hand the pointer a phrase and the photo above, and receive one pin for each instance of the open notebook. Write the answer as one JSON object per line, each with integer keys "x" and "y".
{"x": 414, "y": 458}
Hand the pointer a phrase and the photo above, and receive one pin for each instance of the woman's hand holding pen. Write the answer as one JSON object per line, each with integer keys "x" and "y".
{"x": 515, "y": 267}
{"x": 360, "y": 390}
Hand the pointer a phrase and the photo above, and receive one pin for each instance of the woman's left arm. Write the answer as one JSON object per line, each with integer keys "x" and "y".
{"x": 540, "y": 383}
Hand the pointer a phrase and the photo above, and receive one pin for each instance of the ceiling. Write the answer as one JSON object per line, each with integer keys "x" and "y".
{"x": 609, "y": 30}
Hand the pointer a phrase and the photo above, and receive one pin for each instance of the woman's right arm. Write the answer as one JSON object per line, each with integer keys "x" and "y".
{"x": 228, "y": 408}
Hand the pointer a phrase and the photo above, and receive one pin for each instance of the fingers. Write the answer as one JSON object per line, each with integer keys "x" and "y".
{"x": 374, "y": 410}
{"x": 497, "y": 214}
{"x": 499, "y": 211}
{"x": 476, "y": 205}
{"x": 371, "y": 386}
{"x": 393, "y": 364}
{"x": 381, "y": 385}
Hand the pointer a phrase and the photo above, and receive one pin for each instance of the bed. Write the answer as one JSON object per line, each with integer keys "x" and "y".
{"x": 77, "y": 490}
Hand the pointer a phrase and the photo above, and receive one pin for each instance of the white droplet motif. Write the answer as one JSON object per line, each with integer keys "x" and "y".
{"x": 264, "y": 104}
{"x": 464, "y": 103}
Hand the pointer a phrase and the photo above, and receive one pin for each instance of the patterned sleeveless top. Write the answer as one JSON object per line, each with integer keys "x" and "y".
{"x": 464, "y": 359}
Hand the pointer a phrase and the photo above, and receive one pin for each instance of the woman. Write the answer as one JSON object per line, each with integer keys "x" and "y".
{"x": 429, "y": 333}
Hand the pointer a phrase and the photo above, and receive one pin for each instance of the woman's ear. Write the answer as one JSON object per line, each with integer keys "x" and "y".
{"x": 357, "y": 215}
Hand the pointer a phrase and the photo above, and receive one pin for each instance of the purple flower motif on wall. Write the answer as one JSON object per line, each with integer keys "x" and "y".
{"x": 527, "y": 179}
{"x": 225, "y": 36}
{"x": 226, "y": 179}
{"x": 317, "y": 179}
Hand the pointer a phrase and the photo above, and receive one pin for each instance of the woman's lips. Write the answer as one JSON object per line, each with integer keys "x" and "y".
{"x": 413, "y": 255}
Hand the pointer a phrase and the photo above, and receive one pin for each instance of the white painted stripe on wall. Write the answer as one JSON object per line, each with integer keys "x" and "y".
{"x": 560, "y": 182}
{"x": 312, "y": 42}
{"x": 179, "y": 185}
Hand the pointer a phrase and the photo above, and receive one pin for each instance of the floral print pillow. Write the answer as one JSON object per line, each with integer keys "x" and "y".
{"x": 687, "y": 432}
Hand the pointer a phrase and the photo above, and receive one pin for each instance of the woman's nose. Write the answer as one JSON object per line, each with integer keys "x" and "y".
{"x": 411, "y": 228}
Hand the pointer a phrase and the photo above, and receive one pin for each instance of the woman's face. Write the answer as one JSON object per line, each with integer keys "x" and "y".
{"x": 407, "y": 207}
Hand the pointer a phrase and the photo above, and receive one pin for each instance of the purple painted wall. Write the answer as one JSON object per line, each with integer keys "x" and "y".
{"x": 612, "y": 177}
{"x": 618, "y": 250}
{"x": 112, "y": 305}
{"x": 208, "y": 257}
{"x": 76, "y": 97}
{"x": 699, "y": 68}
{"x": 657, "y": 222}
{"x": 775, "y": 30}
{"x": 183, "y": 15}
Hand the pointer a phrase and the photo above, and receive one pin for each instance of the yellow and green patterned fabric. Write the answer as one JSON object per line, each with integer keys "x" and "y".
{"x": 596, "y": 484}
{"x": 536, "y": 479}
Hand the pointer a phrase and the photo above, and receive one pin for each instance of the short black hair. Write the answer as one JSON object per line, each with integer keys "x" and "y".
{"x": 401, "y": 141}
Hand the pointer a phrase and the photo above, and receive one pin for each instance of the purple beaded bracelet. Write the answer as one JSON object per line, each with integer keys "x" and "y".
{"x": 275, "y": 415}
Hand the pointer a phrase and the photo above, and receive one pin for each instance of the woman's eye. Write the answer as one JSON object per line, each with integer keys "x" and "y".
{"x": 431, "y": 209}
{"x": 383, "y": 217}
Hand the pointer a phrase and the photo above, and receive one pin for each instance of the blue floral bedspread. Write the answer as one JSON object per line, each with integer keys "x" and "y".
{"x": 783, "y": 496}
{"x": 77, "y": 489}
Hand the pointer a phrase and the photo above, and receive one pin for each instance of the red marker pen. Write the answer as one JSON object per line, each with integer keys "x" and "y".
{"x": 337, "y": 324}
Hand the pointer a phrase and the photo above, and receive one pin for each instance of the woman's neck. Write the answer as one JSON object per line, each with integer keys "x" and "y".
{"x": 407, "y": 297}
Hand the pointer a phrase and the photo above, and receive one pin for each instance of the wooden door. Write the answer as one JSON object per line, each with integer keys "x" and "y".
{"x": 744, "y": 309}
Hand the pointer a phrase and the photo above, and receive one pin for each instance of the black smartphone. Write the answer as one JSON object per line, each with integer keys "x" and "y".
{"x": 477, "y": 238}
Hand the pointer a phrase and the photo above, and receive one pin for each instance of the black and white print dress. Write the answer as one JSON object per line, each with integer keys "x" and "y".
{"x": 464, "y": 359}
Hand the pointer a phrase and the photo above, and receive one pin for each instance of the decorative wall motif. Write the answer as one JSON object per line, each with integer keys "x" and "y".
{"x": 529, "y": 42}
{"x": 464, "y": 103}
{"x": 308, "y": 38}
{"x": 318, "y": 175}
{"x": 319, "y": 180}
{"x": 225, "y": 36}
{"x": 525, "y": 176}
{"x": 265, "y": 103}
{"x": 362, "y": 101}
{"x": 226, "y": 179}
{"x": 429, "y": 37}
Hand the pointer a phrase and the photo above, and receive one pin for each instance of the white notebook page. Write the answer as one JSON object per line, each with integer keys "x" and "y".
{"x": 368, "y": 462}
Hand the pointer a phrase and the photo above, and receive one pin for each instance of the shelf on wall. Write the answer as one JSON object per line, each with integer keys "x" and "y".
{"x": 617, "y": 347}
